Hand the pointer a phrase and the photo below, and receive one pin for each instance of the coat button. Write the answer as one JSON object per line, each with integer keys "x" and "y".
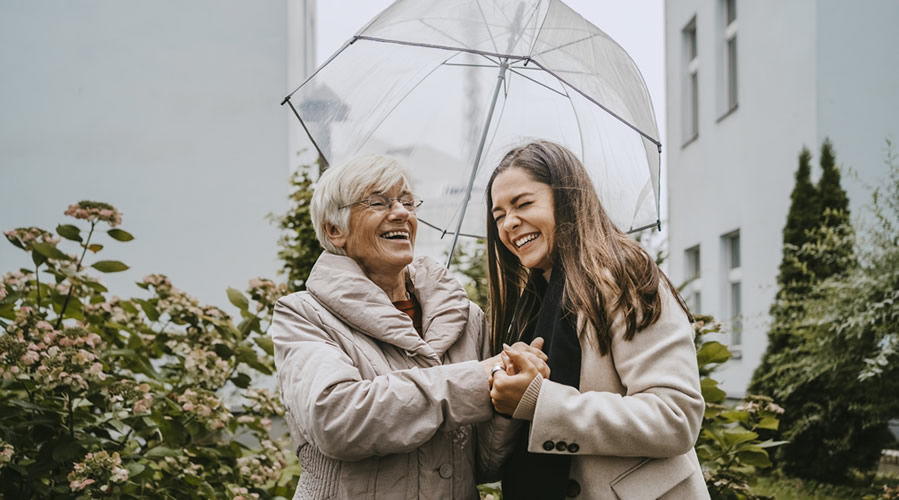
{"x": 561, "y": 446}
{"x": 573, "y": 447}
{"x": 548, "y": 445}
{"x": 446, "y": 471}
{"x": 573, "y": 489}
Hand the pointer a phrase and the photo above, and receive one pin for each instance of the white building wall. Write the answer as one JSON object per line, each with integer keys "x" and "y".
{"x": 170, "y": 111}
{"x": 738, "y": 173}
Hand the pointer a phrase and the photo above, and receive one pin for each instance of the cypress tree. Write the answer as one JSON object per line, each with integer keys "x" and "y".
{"x": 794, "y": 278}
{"x": 834, "y": 225}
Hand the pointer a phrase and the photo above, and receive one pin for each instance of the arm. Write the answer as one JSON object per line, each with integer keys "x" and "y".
{"x": 351, "y": 418}
{"x": 659, "y": 415}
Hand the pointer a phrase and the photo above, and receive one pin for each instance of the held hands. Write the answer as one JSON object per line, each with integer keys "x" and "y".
{"x": 522, "y": 362}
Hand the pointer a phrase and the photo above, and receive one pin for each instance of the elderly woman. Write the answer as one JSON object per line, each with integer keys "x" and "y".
{"x": 378, "y": 359}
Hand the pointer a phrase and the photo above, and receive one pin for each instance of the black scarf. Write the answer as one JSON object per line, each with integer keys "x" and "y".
{"x": 541, "y": 475}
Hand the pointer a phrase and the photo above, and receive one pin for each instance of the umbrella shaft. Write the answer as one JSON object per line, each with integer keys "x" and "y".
{"x": 477, "y": 160}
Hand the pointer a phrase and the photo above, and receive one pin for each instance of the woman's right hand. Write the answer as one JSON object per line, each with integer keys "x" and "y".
{"x": 507, "y": 390}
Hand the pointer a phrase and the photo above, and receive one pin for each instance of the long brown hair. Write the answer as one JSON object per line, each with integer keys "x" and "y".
{"x": 606, "y": 272}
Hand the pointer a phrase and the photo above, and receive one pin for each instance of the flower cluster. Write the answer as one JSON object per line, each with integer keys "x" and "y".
{"x": 95, "y": 211}
{"x": 263, "y": 467}
{"x": 205, "y": 407}
{"x": 180, "y": 306}
{"x": 112, "y": 311}
{"x": 206, "y": 368}
{"x": 264, "y": 402}
{"x": 265, "y": 292}
{"x": 239, "y": 492}
{"x": 755, "y": 404}
{"x": 54, "y": 358}
{"x": 181, "y": 466}
{"x": 129, "y": 395}
{"x": 26, "y": 237}
{"x": 98, "y": 471}
{"x": 6, "y": 452}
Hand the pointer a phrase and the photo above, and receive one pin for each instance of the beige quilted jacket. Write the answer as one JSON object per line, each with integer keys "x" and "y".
{"x": 375, "y": 410}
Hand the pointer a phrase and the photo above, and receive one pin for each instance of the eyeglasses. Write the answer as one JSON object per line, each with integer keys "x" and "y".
{"x": 380, "y": 203}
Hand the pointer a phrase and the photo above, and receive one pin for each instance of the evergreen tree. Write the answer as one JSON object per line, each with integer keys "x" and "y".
{"x": 794, "y": 278}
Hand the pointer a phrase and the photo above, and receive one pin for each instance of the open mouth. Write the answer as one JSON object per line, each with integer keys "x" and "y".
{"x": 524, "y": 240}
{"x": 396, "y": 235}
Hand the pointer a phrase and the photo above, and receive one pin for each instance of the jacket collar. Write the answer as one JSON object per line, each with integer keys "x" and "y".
{"x": 339, "y": 284}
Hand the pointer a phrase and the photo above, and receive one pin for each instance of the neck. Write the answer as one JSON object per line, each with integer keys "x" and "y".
{"x": 393, "y": 284}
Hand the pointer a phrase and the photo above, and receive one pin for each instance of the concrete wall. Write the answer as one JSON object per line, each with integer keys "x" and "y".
{"x": 168, "y": 110}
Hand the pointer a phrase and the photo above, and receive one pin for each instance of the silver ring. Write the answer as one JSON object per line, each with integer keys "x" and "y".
{"x": 496, "y": 369}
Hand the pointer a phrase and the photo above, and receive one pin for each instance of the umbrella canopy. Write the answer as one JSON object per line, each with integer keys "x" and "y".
{"x": 448, "y": 86}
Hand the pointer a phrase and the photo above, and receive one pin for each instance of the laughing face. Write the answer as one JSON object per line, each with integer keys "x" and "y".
{"x": 381, "y": 241}
{"x": 524, "y": 217}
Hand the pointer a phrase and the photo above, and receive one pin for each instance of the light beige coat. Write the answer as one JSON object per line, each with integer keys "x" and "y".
{"x": 636, "y": 417}
{"x": 375, "y": 410}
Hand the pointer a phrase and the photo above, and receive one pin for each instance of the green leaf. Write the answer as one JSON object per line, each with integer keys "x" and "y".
{"x": 238, "y": 299}
{"x": 120, "y": 235}
{"x": 736, "y": 415}
{"x": 771, "y": 423}
{"x": 135, "y": 468}
{"x": 710, "y": 391}
{"x": 148, "y": 308}
{"x": 738, "y": 435}
{"x": 37, "y": 258}
{"x": 69, "y": 232}
{"x": 162, "y": 451}
{"x": 241, "y": 380}
{"x": 95, "y": 247}
{"x": 109, "y": 266}
{"x": 758, "y": 458}
{"x": 49, "y": 251}
{"x": 712, "y": 352}
{"x": 266, "y": 343}
{"x": 223, "y": 350}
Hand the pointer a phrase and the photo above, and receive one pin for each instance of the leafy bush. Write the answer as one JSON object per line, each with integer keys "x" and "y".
{"x": 729, "y": 447}
{"x": 128, "y": 398}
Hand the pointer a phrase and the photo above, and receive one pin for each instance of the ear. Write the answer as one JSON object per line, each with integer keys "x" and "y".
{"x": 335, "y": 235}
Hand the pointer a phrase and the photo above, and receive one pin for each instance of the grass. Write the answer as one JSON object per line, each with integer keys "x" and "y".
{"x": 788, "y": 488}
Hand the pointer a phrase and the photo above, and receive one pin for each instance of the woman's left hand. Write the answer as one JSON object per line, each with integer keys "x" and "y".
{"x": 508, "y": 389}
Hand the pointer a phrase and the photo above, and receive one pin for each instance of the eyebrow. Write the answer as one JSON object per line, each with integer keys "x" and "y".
{"x": 514, "y": 200}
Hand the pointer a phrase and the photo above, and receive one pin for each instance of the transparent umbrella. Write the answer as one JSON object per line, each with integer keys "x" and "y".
{"x": 448, "y": 86}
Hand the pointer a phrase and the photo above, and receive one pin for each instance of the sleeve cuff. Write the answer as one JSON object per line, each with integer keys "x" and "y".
{"x": 528, "y": 403}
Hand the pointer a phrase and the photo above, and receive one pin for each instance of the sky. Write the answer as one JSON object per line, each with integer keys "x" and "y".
{"x": 637, "y": 25}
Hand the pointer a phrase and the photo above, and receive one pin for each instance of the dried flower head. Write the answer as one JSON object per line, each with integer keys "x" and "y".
{"x": 95, "y": 211}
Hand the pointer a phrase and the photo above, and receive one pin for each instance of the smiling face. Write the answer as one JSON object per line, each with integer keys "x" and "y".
{"x": 382, "y": 242}
{"x": 524, "y": 217}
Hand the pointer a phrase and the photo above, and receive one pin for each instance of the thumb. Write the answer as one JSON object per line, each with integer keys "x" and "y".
{"x": 520, "y": 360}
{"x": 537, "y": 343}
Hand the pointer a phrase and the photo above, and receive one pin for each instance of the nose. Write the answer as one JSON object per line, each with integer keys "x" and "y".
{"x": 398, "y": 211}
{"x": 510, "y": 222}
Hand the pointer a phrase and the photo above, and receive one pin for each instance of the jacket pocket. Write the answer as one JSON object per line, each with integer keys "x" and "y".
{"x": 652, "y": 478}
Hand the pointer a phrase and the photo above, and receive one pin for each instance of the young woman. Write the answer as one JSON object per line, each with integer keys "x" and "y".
{"x": 621, "y": 410}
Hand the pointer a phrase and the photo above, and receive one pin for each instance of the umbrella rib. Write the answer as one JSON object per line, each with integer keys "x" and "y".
{"x": 443, "y": 47}
{"x": 607, "y": 110}
{"x": 580, "y": 130}
{"x": 539, "y": 30}
{"x": 341, "y": 49}
{"x": 559, "y": 47}
{"x": 487, "y": 25}
{"x": 547, "y": 87}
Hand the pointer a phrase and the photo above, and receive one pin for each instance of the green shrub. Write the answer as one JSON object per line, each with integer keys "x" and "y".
{"x": 129, "y": 398}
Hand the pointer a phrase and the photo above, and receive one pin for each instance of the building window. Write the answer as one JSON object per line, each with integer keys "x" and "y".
{"x": 733, "y": 303}
{"x": 690, "y": 110}
{"x": 728, "y": 78}
{"x": 693, "y": 285}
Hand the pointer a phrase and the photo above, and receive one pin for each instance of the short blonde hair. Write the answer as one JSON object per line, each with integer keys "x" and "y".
{"x": 347, "y": 183}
